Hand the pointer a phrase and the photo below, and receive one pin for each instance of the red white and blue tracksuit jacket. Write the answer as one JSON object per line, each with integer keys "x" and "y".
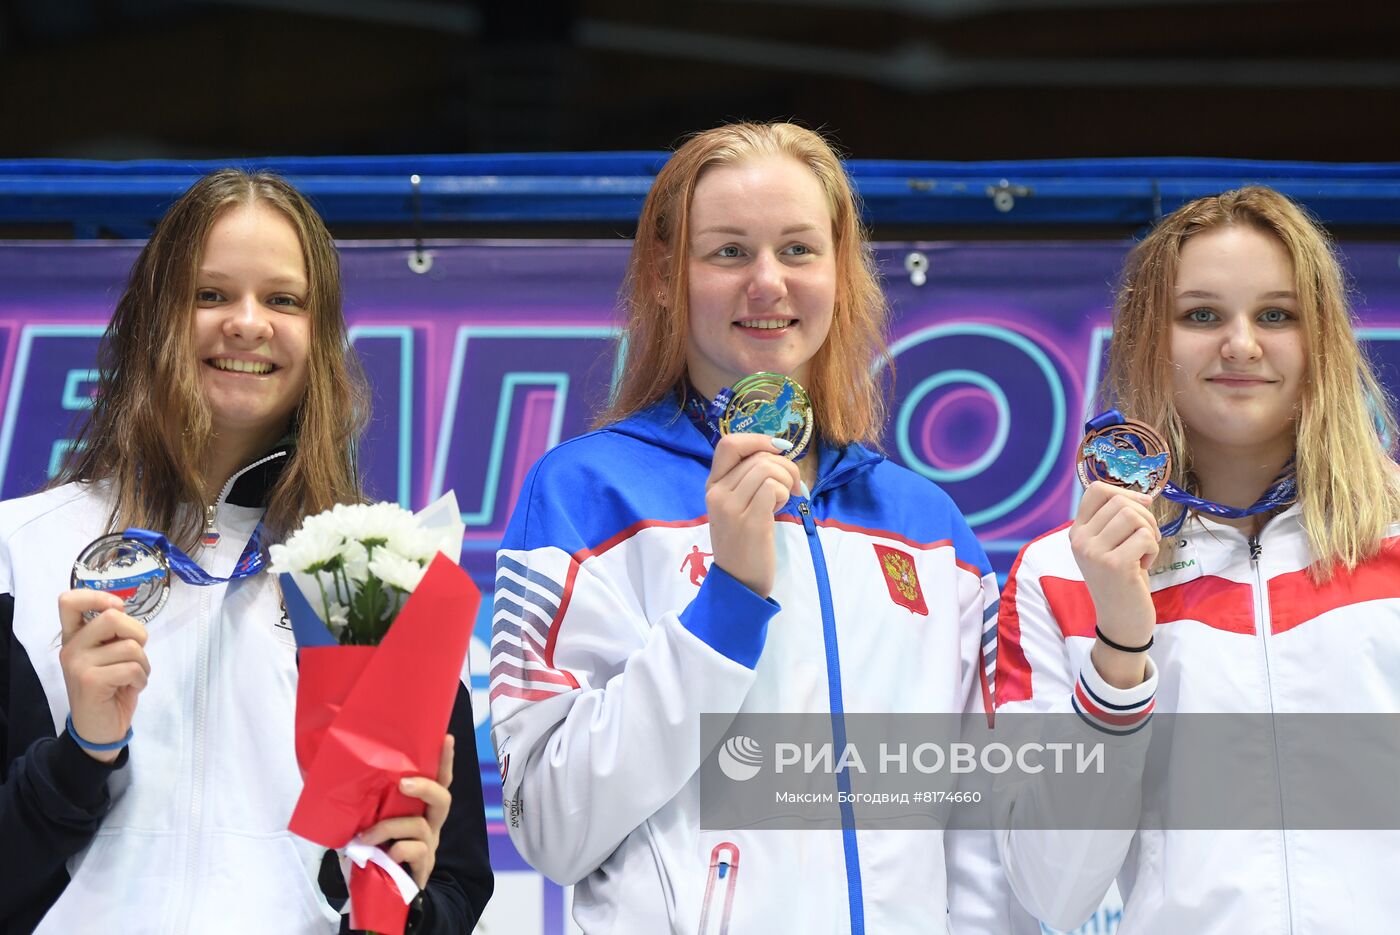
{"x": 1241, "y": 628}
{"x": 610, "y": 642}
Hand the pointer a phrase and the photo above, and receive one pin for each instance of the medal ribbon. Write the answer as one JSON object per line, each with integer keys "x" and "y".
{"x": 1282, "y": 492}
{"x": 249, "y": 563}
{"x": 706, "y": 413}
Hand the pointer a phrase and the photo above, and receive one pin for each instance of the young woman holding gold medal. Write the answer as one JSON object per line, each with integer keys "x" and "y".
{"x": 149, "y": 771}
{"x": 1235, "y": 552}
{"x": 839, "y": 581}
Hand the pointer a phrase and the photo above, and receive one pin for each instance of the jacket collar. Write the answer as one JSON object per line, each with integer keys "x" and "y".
{"x": 251, "y": 484}
{"x": 666, "y": 424}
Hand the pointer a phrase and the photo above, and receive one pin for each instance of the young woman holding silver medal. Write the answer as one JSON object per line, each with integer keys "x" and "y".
{"x": 839, "y": 581}
{"x": 1264, "y": 579}
{"x": 149, "y": 770}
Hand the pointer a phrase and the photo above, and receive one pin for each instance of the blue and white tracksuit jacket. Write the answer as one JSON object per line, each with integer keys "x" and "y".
{"x": 609, "y": 644}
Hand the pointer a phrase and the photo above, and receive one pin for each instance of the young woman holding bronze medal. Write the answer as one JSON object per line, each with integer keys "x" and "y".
{"x": 149, "y": 770}
{"x": 839, "y": 581}
{"x": 1235, "y": 552}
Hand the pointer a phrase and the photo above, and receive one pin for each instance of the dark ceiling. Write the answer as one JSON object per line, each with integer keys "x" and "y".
{"x": 913, "y": 79}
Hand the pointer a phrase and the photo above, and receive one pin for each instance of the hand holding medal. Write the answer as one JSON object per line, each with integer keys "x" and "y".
{"x": 1123, "y": 466}
{"x": 1115, "y": 534}
{"x": 1133, "y": 456}
{"x": 119, "y": 583}
{"x": 760, "y": 428}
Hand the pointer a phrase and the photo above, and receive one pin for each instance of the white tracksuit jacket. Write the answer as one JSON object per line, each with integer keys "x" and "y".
{"x": 178, "y": 851}
{"x": 1235, "y": 634}
{"x": 187, "y": 832}
{"x": 609, "y": 645}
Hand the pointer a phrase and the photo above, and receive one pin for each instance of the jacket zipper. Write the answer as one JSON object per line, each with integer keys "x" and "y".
{"x": 195, "y": 830}
{"x": 838, "y": 721}
{"x": 211, "y": 529}
{"x": 1262, "y": 612}
{"x": 211, "y": 510}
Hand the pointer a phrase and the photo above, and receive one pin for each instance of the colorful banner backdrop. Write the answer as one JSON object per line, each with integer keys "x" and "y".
{"x": 500, "y": 350}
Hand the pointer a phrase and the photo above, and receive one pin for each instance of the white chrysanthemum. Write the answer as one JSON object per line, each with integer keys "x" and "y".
{"x": 395, "y": 570}
{"x": 319, "y": 528}
{"x": 364, "y": 522}
{"x": 279, "y": 562}
{"x": 415, "y": 543}
{"x": 311, "y": 546}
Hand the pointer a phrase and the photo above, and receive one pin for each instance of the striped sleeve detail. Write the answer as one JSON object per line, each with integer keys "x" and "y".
{"x": 1118, "y": 711}
{"x": 990, "y": 612}
{"x": 526, "y": 608}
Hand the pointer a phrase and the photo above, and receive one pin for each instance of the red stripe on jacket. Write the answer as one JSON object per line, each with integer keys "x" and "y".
{"x": 1294, "y": 599}
{"x": 1216, "y": 602}
{"x": 1013, "y": 673}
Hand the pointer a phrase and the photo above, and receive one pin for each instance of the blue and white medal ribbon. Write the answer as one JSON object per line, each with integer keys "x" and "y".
{"x": 1282, "y": 492}
{"x": 249, "y": 563}
{"x": 706, "y": 413}
{"x": 136, "y": 564}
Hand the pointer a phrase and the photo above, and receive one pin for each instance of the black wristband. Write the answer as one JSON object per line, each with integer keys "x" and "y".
{"x": 1120, "y": 647}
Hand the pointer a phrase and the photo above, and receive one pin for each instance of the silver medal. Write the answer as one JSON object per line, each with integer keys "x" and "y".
{"x": 128, "y": 568}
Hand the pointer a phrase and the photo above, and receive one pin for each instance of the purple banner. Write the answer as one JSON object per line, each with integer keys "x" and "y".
{"x": 501, "y": 350}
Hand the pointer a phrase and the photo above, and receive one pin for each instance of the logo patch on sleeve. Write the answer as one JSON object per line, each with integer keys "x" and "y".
{"x": 694, "y": 564}
{"x": 902, "y": 578}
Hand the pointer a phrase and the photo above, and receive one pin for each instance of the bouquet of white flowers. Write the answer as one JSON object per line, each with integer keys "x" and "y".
{"x": 382, "y": 615}
{"x": 357, "y": 563}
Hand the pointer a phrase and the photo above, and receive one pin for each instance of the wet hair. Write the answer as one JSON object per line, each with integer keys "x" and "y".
{"x": 150, "y": 428}
{"x": 1348, "y": 485}
{"x": 849, "y": 403}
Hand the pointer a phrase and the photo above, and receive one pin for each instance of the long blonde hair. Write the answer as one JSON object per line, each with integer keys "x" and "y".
{"x": 1348, "y": 485}
{"x": 150, "y": 425}
{"x": 849, "y": 404}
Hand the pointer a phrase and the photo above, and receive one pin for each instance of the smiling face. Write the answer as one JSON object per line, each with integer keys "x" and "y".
{"x": 252, "y": 330}
{"x": 1239, "y": 358}
{"x": 762, "y": 272}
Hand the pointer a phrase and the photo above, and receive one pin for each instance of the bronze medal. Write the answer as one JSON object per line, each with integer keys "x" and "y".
{"x": 1128, "y": 454}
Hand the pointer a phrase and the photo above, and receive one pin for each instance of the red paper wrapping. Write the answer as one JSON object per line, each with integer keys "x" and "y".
{"x": 368, "y": 716}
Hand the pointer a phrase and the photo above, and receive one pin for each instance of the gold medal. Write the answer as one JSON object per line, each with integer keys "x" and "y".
{"x": 771, "y": 404}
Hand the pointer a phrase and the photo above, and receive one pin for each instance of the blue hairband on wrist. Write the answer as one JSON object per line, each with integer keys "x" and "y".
{"x": 98, "y": 747}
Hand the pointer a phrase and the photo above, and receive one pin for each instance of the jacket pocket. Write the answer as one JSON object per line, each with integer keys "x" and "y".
{"x": 259, "y": 883}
